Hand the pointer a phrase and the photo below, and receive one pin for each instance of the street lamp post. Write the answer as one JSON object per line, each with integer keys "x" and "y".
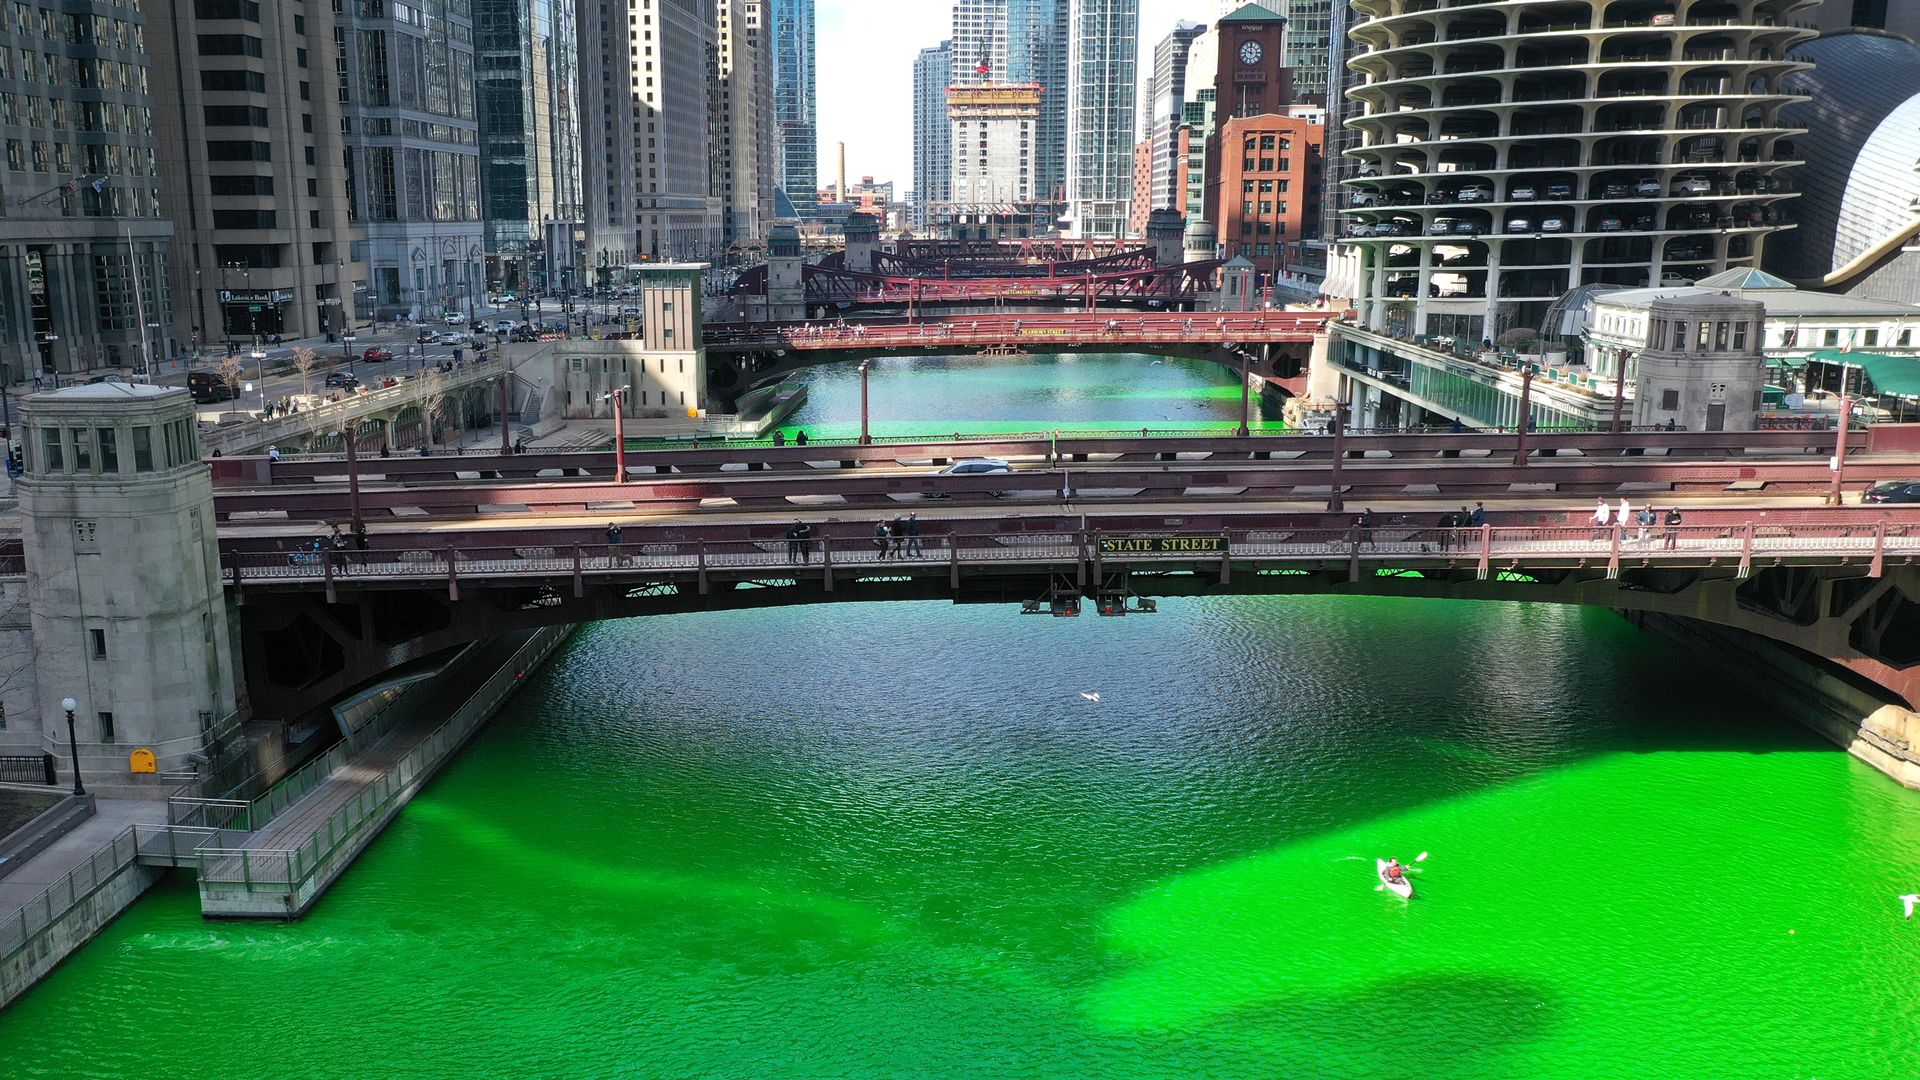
{"x": 346, "y": 350}
{"x": 260, "y": 372}
{"x": 506, "y": 444}
{"x": 866, "y": 438}
{"x": 619, "y": 397}
{"x": 73, "y": 745}
{"x": 353, "y": 475}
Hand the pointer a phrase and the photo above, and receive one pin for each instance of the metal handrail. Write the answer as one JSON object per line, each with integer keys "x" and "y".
{"x": 68, "y": 892}
{"x": 296, "y": 866}
{"x": 1846, "y": 533}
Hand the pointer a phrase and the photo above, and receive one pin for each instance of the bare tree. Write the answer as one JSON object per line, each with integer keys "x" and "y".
{"x": 433, "y": 397}
{"x": 304, "y": 360}
{"x": 231, "y": 369}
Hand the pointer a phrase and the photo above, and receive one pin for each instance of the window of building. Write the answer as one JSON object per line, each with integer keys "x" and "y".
{"x": 1871, "y": 339}
{"x": 227, "y": 9}
{"x": 1832, "y": 338}
{"x": 82, "y": 441}
{"x": 229, "y": 45}
{"x": 1906, "y": 338}
{"x": 1669, "y": 400}
{"x": 240, "y": 185}
{"x": 1740, "y": 337}
{"x": 109, "y": 449}
{"x": 97, "y": 643}
{"x": 52, "y": 450}
{"x": 106, "y": 727}
{"x": 1720, "y": 337}
{"x": 142, "y": 449}
{"x": 234, "y": 116}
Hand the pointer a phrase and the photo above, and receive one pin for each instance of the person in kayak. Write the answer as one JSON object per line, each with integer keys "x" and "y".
{"x": 1395, "y": 872}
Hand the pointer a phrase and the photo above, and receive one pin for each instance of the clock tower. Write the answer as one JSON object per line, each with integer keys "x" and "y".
{"x": 1253, "y": 78}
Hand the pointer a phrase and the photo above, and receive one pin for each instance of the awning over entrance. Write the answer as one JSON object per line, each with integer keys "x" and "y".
{"x": 1896, "y": 375}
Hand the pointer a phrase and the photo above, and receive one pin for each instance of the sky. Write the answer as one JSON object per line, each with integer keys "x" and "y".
{"x": 864, "y": 57}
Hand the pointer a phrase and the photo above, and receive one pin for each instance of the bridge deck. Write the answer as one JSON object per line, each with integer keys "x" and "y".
{"x": 1828, "y": 536}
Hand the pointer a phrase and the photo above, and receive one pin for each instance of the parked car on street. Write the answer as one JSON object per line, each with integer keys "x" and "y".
{"x": 376, "y": 355}
{"x": 341, "y": 379}
{"x": 427, "y": 337}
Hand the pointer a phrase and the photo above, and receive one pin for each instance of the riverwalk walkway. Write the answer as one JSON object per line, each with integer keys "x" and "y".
{"x": 300, "y": 846}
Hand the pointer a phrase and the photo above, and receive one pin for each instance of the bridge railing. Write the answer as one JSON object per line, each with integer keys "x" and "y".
{"x": 1388, "y": 536}
{"x": 66, "y": 894}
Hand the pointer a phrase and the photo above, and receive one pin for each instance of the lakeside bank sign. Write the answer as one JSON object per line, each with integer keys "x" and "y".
{"x": 1163, "y": 545}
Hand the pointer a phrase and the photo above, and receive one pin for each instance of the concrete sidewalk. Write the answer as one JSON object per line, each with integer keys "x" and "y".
{"x": 111, "y": 818}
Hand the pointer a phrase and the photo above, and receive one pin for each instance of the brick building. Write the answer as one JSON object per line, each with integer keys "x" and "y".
{"x": 1263, "y": 157}
{"x": 1142, "y": 188}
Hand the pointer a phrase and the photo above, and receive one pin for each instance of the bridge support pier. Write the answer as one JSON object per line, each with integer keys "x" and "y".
{"x": 128, "y": 611}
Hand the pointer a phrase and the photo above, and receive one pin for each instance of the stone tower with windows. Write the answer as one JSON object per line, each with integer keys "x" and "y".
{"x": 1702, "y": 369}
{"x": 128, "y": 609}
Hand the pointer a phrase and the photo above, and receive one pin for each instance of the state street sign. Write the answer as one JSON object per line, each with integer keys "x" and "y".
{"x": 1163, "y": 545}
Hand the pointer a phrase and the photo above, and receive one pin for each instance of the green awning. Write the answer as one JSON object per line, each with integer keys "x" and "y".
{"x": 1897, "y": 375}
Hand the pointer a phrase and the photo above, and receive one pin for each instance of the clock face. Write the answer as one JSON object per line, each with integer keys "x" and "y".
{"x": 1250, "y": 53}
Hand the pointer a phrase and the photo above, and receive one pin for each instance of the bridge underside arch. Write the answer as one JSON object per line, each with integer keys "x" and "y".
{"x": 1857, "y": 627}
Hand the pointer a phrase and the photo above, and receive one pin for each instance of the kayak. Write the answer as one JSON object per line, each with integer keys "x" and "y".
{"x": 1402, "y": 888}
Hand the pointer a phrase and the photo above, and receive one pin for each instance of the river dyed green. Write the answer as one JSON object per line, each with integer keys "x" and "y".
{"x": 896, "y": 841}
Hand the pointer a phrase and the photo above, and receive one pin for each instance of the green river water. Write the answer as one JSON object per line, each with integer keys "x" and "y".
{"x": 896, "y": 841}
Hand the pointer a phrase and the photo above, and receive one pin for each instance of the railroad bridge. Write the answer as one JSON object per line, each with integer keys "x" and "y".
{"x": 1272, "y": 344}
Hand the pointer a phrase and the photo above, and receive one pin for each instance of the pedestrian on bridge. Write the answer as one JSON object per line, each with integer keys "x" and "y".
{"x": 913, "y": 535}
{"x": 1478, "y": 518}
{"x": 1644, "y": 520}
{"x": 1673, "y": 527}
{"x": 1602, "y": 516}
{"x": 796, "y": 541}
{"x": 1365, "y": 525}
{"x": 800, "y": 437}
{"x": 613, "y": 543}
{"x": 779, "y": 437}
{"x": 882, "y": 538}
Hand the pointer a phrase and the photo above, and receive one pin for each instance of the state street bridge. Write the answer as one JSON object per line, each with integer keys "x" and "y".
{"x": 462, "y": 549}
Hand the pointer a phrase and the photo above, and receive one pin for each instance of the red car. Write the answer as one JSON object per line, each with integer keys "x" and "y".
{"x": 375, "y": 355}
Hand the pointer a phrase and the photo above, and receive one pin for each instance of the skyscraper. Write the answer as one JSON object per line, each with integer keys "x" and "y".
{"x": 1309, "y": 39}
{"x": 1166, "y": 113}
{"x": 1008, "y": 107}
{"x": 1203, "y": 63}
{"x": 793, "y": 100}
{"x": 73, "y": 259}
{"x": 529, "y": 113}
{"x": 257, "y": 194}
{"x": 747, "y": 164}
{"x": 413, "y": 152}
{"x": 649, "y": 155}
{"x": 1103, "y": 38}
{"x": 932, "y": 132}
{"x": 1474, "y": 225}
